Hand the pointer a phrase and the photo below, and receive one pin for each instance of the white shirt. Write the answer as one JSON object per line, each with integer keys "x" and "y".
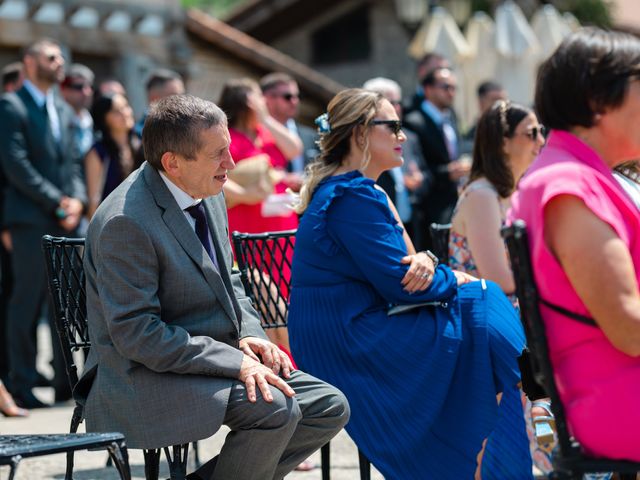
{"x": 184, "y": 200}
{"x": 40, "y": 99}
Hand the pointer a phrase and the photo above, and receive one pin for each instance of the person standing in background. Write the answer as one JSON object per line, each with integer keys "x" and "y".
{"x": 77, "y": 91}
{"x": 489, "y": 93}
{"x": 162, "y": 83}
{"x": 282, "y": 97}
{"x": 45, "y": 195}
{"x": 438, "y": 134}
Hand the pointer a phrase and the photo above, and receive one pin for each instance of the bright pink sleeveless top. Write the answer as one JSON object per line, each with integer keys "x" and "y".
{"x": 599, "y": 385}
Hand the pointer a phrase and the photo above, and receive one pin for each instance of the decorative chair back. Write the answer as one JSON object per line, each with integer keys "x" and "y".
{"x": 264, "y": 260}
{"x": 440, "y": 240}
{"x": 569, "y": 461}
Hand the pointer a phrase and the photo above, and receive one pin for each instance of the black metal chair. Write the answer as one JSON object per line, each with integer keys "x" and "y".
{"x": 440, "y": 240}
{"x": 65, "y": 274}
{"x": 569, "y": 461}
{"x": 264, "y": 261}
{"x": 13, "y": 448}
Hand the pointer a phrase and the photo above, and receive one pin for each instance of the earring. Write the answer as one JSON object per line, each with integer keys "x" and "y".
{"x": 597, "y": 117}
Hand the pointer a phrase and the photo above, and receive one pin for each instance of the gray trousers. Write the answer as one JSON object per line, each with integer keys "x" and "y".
{"x": 268, "y": 440}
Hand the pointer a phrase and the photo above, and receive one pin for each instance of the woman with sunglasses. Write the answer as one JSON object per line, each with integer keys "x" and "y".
{"x": 507, "y": 140}
{"x": 254, "y": 133}
{"x": 421, "y": 354}
{"x": 583, "y": 232}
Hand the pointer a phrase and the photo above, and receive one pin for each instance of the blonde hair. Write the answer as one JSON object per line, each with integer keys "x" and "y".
{"x": 346, "y": 111}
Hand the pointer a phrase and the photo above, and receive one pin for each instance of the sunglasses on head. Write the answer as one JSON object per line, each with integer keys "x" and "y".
{"x": 394, "y": 125}
{"x": 533, "y": 132}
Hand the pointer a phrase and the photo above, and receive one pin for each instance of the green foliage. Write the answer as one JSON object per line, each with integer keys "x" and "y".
{"x": 214, "y": 7}
{"x": 588, "y": 12}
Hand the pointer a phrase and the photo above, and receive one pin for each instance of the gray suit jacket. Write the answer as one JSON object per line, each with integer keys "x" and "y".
{"x": 164, "y": 324}
{"x": 38, "y": 170}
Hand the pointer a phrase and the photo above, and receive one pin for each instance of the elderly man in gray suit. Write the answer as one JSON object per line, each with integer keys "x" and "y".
{"x": 177, "y": 349}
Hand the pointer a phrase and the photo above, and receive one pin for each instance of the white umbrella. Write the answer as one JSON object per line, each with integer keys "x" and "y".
{"x": 481, "y": 66}
{"x": 550, "y": 28}
{"x": 439, "y": 33}
{"x": 518, "y": 51}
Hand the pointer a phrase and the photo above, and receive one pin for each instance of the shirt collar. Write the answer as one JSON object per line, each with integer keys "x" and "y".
{"x": 432, "y": 111}
{"x": 183, "y": 199}
{"x": 568, "y": 142}
{"x": 38, "y": 95}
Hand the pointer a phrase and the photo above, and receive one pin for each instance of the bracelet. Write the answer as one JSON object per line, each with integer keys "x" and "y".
{"x": 434, "y": 258}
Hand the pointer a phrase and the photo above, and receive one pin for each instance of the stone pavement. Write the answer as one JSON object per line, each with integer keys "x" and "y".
{"x": 91, "y": 465}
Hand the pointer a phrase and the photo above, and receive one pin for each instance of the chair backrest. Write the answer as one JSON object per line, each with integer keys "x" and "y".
{"x": 264, "y": 260}
{"x": 440, "y": 240}
{"x": 65, "y": 274}
{"x": 515, "y": 237}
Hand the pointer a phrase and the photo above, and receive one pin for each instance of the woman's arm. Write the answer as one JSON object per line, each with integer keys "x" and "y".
{"x": 360, "y": 224}
{"x": 480, "y": 214}
{"x": 94, "y": 171}
{"x": 599, "y": 267}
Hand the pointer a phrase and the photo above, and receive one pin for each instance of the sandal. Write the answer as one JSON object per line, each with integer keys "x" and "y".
{"x": 544, "y": 425}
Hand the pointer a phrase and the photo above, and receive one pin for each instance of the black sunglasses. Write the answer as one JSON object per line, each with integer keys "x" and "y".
{"x": 394, "y": 125}
{"x": 290, "y": 96}
{"x": 78, "y": 86}
{"x": 533, "y": 132}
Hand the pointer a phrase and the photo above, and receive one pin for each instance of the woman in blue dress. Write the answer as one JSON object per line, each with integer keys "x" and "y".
{"x": 424, "y": 385}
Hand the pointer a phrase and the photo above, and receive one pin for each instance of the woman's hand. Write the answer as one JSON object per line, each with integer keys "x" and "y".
{"x": 420, "y": 273}
{"x": 463, "y": 278}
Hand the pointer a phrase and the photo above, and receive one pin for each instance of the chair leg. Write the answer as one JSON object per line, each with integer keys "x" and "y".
{"x": 118, "y": 452}
{"x": 365, "y": 466}
{"x": 151, "y": 464}
{"x": 196, "y": 455}
{"x": 15, "y": 461}
{"x": 76, "y": 420}
{"x": 325, "y": 461}
{"x": 177, "y": 462}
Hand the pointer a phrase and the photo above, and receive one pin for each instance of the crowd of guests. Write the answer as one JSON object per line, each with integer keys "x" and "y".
{"x": 372, "y": 312}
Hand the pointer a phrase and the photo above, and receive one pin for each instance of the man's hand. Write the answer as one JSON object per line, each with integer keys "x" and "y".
{"x": 5, "y": 236}
{"x": 459, "y": 169}
{"x": 73, "y": 210}
{"x": 254, "y": 372}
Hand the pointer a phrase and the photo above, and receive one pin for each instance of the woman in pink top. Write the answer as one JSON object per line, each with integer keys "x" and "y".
{"x": 585, "y": 235}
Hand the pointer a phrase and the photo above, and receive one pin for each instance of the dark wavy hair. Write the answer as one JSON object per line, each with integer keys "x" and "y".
{"x": 233, "y": 100}
{"x": 489, "y": 159}
{"x": 102, "y": 105}
{"x": 587, "y": 74}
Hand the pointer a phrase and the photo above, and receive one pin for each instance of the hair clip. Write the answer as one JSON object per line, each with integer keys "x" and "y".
{"x": 323, "y": 123}
{"x": 503, "y": 105}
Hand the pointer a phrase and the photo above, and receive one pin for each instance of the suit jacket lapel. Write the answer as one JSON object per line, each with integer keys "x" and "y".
{"x": 179, "y": 226}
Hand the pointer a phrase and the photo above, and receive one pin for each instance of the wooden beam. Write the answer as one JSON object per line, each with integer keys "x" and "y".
{"x": 33, "y": 7}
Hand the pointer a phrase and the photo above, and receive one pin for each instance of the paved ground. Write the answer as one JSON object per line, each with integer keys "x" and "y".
{"x": 91, "y": 465}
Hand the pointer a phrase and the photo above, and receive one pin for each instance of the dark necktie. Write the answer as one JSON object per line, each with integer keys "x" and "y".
{"x": 202, "y": 229}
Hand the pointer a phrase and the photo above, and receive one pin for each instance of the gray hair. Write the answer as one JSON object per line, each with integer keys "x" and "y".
{"x": 174, "y": 124}
{"x": 383, "y": 86}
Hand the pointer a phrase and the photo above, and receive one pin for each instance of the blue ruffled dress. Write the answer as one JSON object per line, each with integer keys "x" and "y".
{"x": 422, "y": 385}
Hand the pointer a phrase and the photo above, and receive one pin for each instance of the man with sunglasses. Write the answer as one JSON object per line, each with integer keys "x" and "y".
{"x": 436, "y": 127}
{"x": 77, "y": 91}
{"x": 45, "y": 194}
{"x": 282, "y": 97}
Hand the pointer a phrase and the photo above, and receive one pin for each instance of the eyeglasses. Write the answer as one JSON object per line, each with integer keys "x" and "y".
{"x": 533, "y": 132}
{"x": 289, "y": 96}
{"x": 395, "y": 126}
{"x": 446, "y": 86}
{"x": 79, "y": 86}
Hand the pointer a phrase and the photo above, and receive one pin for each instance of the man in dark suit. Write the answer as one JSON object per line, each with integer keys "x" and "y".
{"x": 45, "y": 194}
{"x": 438, "y": 133}
{"x": 177, "y": 348}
